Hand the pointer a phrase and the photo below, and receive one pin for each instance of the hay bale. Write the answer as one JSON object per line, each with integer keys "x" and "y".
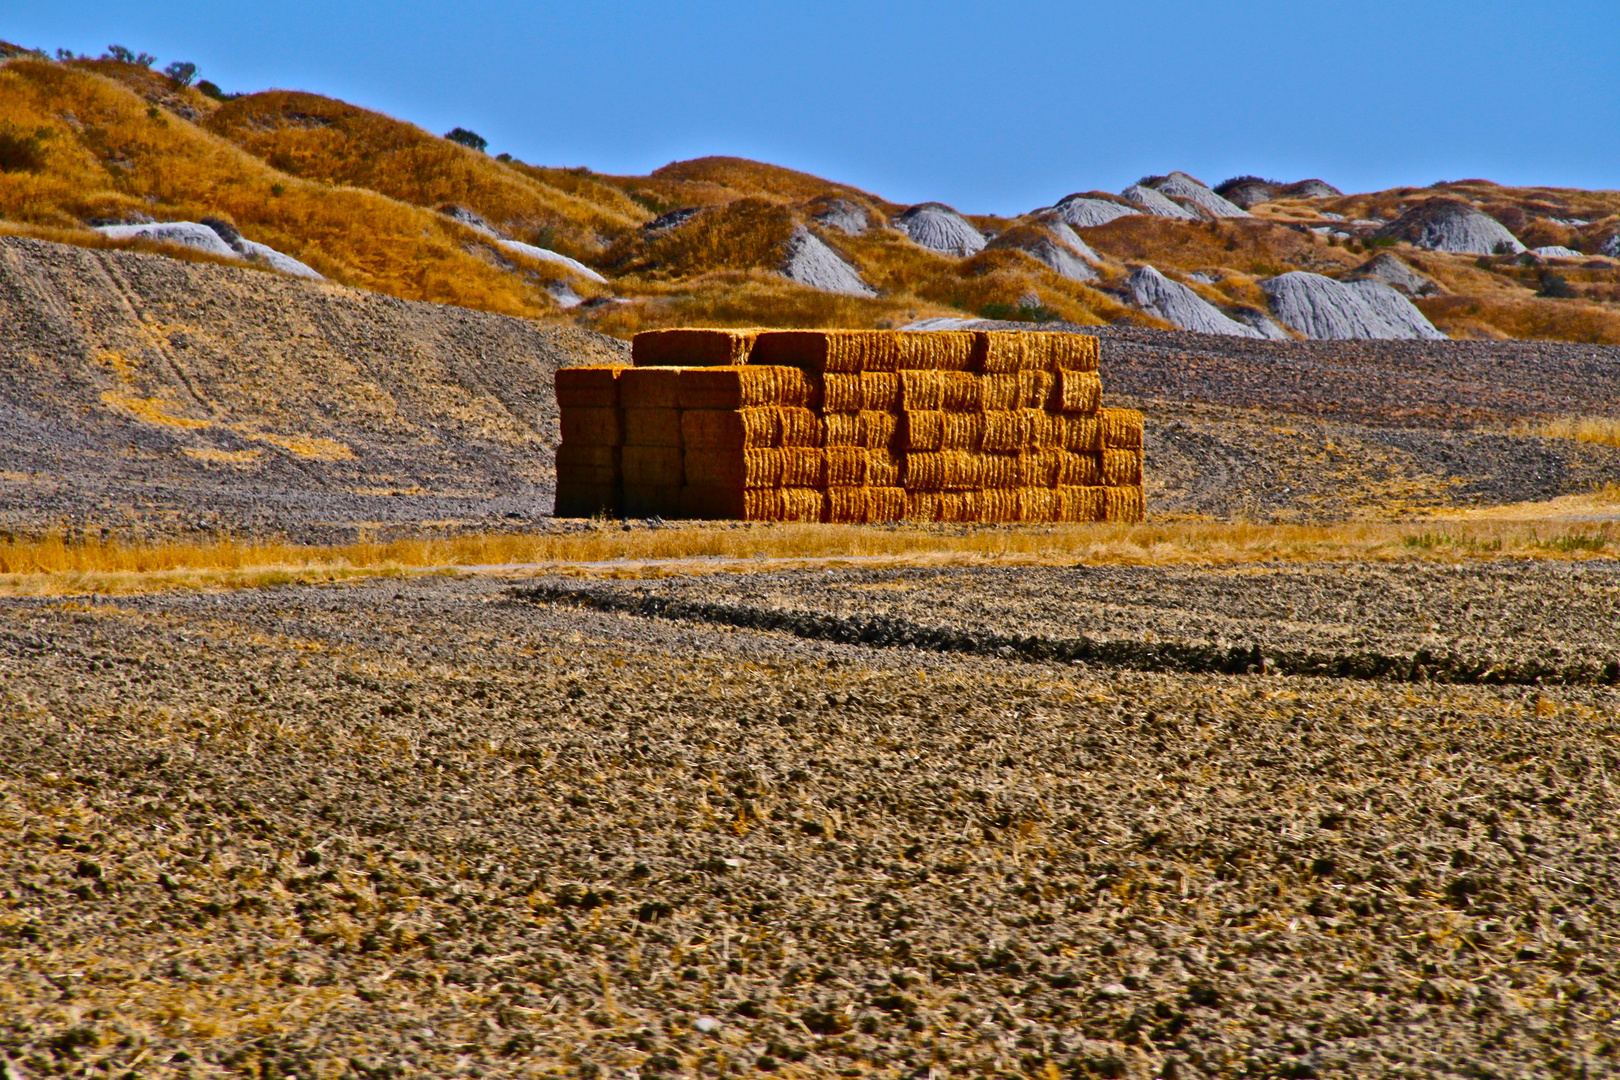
{"x": 1123, "y": 505}
{"x": 882, "y": 469}
{"x": 999, "y": 393}
{"x": 747, "y": 387}
{"x": 1078, "y": 432}
{"x": 653, "y": 466}
{"x": 1121, "y": 429}
{"x": 845, "y": 466}
{"x": 595, "y": 427}
{"x": 652, "y": 500}
{"x": 650, "y": 388}
{"x": 865, "y": 504}
{"x": 1078, "y": 470}
{"x": 963, "y": 392}
{"x": 1078, "y": 391}
{"x": 587, "y": 463}
{"x": 1040, "y": 468}
{"x": 922, "y": 390}
{"x": 959, "y": 506}
{"x": 740, "y": 429}
{"x": 798, "y": 427}
{"x": 1122, "y": 468}
{"x": 999, "y": 352}
{"x": 866, "y": 390}
{"x": 944, "y": 350}
{"x": 1087, "y": 503}
{"x": 869, "y": 428}
{"x": 923, "y": 506}
{"x": 941, "y": 470}
{"x": 1037, "y": 503}
{"x": 1005, "y": 431}
{"x": 691, "y": 348}
{"x": 577, "y": 500}
{"x": 754, "y": 504}
{"x": 1036, "y": 389}
{"x": 998, "y": 471}
{"x": 998, "y": 504}
{"x": 1039, "y": 429}
{"x": 1056, "y": 350}
{"x": 922, "y": 429}
{"x": 781, "y": 467}
{"x": 822, "y": 351}
{"x": 587, "y": 387}
{"x": 652, "y": 427}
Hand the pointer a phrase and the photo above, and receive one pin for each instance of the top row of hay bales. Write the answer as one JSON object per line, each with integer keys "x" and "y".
{"x": 847, "y": 351}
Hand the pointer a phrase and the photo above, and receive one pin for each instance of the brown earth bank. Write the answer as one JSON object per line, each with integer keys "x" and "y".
{"x": 428, "y": 827}
{"x": 146, "y": 397}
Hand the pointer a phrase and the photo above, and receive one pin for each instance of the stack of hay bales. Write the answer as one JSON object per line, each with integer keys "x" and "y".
{"x": 850, "y": 426}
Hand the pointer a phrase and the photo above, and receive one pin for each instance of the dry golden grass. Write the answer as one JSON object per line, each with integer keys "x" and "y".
{"x": 1498, "y": 315}
{"x": 319, "y": 138}
{"x": 747, "y": 177}
{"x": 1604, "y": 430}
{"x": 1250, "y": 247}
{"x": 107, "y": 155}
{"x": 52, "y": 567}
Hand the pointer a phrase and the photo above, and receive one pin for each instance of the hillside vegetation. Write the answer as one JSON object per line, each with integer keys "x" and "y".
{"x": 365, "y": 199}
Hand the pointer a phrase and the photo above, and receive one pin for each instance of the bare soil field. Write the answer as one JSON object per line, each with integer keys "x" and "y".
{"x": 458, "y": 827}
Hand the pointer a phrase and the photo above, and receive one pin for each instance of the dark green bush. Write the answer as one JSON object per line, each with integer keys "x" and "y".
{"x": 467, "y": 138}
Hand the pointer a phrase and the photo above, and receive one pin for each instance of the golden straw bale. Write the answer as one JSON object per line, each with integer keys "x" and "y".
{"x": 745, "y": 387}
{"x": 1079, "y": 433}
{"x": 1037, "y": 504}
{"x": 798, "y": 504}
{"x": 1004, "y": 431}
{"x": 962, "y": 431}
{"x": 1039, "y": 429}
{"x": 596, "y": 427}
{"x": 1039, "y": 468}
{"x": 587, "y": 387}
{"x": 650, "y": 388}
{"x": 959, "y": 506}
{"x": 653, "y": 466}
{"x": 691, "y": 348}
{"x": 846, "y": 466}
{"x": 941, "y": 350}
{"x": 885, "y": 503}
{"x": 1036, "y": 389}
{"x": 1071, "y": 352}
{"x": 652, "y": 500}
{"x": 798, "y": 427}
{"x": 998, "y": 393}
{"x": 710, "y": 466}
{"x": 652, "y": 427}
{"x": 880, "y": 391}
{"x": 962, "y": 391}
{"x": 998, "y": 504}
{"x": 998, "y": 471}
{"x": 878, "y": 430}
{"x": 1079, "y": 391}
{"x": 575, "y": 500}
{"x": 1079, "y": 469}
{"x": 846, "y": 505}
{"x": 822, "y": 351}
{"x": 1121, "y": 468}
{"x": 922, "y": 390}
{"x": 743, "y": 429}
{"x": 1081, "y": 503}
{"x": 588, "y": 463}
{"x": 922, "y": 430}
{"x": 999, "y": 352}
{"x": 882, "y": 469}
{"x": 841, "y": 429}
{"x": 1123, "y": 504}
{"x": 1121, "y": 429}
{"x": 923, "y": 506}
{"x": 943, "y": 470}
{"x": 841, "y": 392}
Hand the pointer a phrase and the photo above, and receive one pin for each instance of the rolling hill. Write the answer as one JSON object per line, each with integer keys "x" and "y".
{"x": 377, "y": 203}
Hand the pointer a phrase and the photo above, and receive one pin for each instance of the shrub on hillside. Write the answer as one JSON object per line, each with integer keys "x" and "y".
{"x": 22, "y": 151}
{"x": 1555, "y": 286}
{"x": 181, "y": 71}
{"x": 123, "y": 55}
{"x": 467, "y": 138}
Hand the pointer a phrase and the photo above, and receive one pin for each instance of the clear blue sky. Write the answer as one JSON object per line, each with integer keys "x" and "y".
{"x": 992, "y": 107}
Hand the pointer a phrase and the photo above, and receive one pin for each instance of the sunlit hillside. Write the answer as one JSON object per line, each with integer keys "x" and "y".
{"x": 365, "y": 199}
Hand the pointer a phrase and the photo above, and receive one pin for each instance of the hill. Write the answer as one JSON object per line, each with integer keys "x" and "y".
{"x": 378, "y": 203}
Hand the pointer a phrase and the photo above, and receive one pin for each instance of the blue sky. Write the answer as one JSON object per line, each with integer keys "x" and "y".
{"x": 992, "y": 107}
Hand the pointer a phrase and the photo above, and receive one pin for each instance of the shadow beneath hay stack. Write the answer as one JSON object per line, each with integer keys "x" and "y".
{"x": 888, "y": 632}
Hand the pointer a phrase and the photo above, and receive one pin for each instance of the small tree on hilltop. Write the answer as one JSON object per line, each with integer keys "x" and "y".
{"x": 118, "y": 52}
{"x": 467, "y": 138}
{"x": 181, "y": 71}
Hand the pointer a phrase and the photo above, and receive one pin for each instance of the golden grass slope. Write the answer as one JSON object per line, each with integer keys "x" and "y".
{"x": 319, "y": 138}
{"x": 107, "y": 154}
